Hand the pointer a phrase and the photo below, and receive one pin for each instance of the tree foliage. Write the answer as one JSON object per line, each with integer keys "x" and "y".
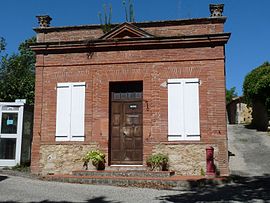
{"x": 17, "y": 74}
{"x": 257, "y": 85}
{"x": 230, "y": 94}
{"x": 2, "y": 44}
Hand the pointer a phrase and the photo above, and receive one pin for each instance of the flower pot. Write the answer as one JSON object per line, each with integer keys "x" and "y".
{"x": 99, "y": 165}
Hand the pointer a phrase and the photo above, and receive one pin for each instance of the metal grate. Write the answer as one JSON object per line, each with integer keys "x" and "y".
{"x": 127, "y": 96}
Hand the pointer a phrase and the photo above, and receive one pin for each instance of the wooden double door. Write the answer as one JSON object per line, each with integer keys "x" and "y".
{"x": 126, "y": 130}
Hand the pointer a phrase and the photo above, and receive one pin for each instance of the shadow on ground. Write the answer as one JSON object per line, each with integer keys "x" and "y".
{"x": 101, "y": 199}
{"x": 250, "y": 126}
{"x": 243, "y": 189}
{"x": 3, "y": 178}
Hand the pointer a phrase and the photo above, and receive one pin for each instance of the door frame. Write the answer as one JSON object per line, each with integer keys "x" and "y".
{"x": 17, "y": 136}
{"x": 124, "y": 83}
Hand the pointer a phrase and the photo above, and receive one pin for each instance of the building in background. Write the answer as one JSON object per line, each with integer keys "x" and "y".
{"x": 238, "y": 112}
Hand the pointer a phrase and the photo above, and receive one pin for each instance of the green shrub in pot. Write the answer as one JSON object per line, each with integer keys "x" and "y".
{"x": 97, "y": 157}
{"x": 158, "y": 162}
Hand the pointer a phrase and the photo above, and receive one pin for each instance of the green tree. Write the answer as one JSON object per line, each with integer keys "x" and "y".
{"x": 256, "y": 90}
{"x": 2, "y": 44}
{"x": 230, "y": 94}
{"x": 257, "y": 85}
{"x": 17, "y": 73}
{"x": 2, "y": 49}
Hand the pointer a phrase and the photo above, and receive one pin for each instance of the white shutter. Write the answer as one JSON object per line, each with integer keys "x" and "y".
{"x": 191, "y": 110}
{"x": 183, "y": 109}
{"x": 63, "y": 112}
{"x": 77, "y": 111}
{"x": 175, "y": 110}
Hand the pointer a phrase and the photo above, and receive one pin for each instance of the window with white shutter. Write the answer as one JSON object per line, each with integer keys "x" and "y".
{"x": 183, "y": 109}
{"x": 70, "y": 111}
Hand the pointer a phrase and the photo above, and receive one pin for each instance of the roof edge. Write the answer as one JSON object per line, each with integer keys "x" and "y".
{"x": 127, "y": 44}
{"x": 209, "y": 20}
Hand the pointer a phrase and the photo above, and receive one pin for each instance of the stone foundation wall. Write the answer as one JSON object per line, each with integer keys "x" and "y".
{"x": 63, "y": 159}
{"x": 185, "y": 159}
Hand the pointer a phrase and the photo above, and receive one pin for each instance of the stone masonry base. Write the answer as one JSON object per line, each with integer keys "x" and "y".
{"x": 63, "y": 159}
{"x": 185, "y": 159}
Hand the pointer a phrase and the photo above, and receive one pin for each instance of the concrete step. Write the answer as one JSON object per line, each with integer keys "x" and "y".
{"x": 124, "y": 173}
{"x": 126, "y": 168}
{"x": 173, "y": 182}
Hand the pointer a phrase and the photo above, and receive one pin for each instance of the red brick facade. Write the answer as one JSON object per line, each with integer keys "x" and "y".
{"x": 176, "y": 49}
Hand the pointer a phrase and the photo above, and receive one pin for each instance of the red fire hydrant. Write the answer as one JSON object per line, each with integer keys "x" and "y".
{"x": 210, "y": 166}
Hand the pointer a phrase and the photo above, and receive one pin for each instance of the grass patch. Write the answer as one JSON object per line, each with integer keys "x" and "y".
{"x": 25, "y": 167}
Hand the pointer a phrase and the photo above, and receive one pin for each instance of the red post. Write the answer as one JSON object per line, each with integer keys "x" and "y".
{"x": 210, "y": 166}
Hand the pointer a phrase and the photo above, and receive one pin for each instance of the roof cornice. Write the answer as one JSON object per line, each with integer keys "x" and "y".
{"x": 210, "y": 40}
{"x": 193, "y": 21}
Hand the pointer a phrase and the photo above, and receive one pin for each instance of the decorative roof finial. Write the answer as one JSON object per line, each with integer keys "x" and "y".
{"x": 216, "y": 10}
{"x": 44, "y": 21}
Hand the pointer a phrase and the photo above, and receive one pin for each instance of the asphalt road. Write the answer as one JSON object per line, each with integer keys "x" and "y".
{"x": 19, "y": 189}
{"x": 251, "y": 149}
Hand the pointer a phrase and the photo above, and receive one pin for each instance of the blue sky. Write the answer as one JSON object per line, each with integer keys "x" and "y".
{"x": 248, "y": 21}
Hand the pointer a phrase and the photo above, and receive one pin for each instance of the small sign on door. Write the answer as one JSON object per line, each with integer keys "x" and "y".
{"x": 9, "y": 122}
{"x": 133, "y": 106}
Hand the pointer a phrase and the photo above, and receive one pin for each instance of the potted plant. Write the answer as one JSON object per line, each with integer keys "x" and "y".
{"x": 158, "y": 162}
{"x": 97, "y": 158}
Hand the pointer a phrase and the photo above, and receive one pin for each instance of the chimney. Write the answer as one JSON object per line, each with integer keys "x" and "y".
{"x": 216, "y": 10}
{"x": 44, "y": 21}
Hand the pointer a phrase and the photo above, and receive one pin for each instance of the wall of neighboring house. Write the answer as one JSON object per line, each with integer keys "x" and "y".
{"x": 244, "y": 113}
{"x": 239, "y": 112}
{"x": 154, "y": 67}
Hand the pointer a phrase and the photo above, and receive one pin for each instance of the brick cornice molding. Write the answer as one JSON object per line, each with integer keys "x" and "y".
{"x": 209, "y": 40}
{"x": 192, "y": 21}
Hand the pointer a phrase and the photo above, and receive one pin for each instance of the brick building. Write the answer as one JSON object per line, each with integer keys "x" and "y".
{"x": 139, "y": 89}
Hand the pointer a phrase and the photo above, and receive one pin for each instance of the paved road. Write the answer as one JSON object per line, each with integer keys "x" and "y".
{"x": 251, "y": 149}
{"x": 19, "y": 189}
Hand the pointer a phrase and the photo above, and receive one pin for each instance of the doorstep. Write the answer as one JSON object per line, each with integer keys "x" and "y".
{"x": 124, "y": 173}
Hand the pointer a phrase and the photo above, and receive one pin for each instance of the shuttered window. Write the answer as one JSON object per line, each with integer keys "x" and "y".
{"x": 183, "y": 109}
{"x": 70, "y": 111}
